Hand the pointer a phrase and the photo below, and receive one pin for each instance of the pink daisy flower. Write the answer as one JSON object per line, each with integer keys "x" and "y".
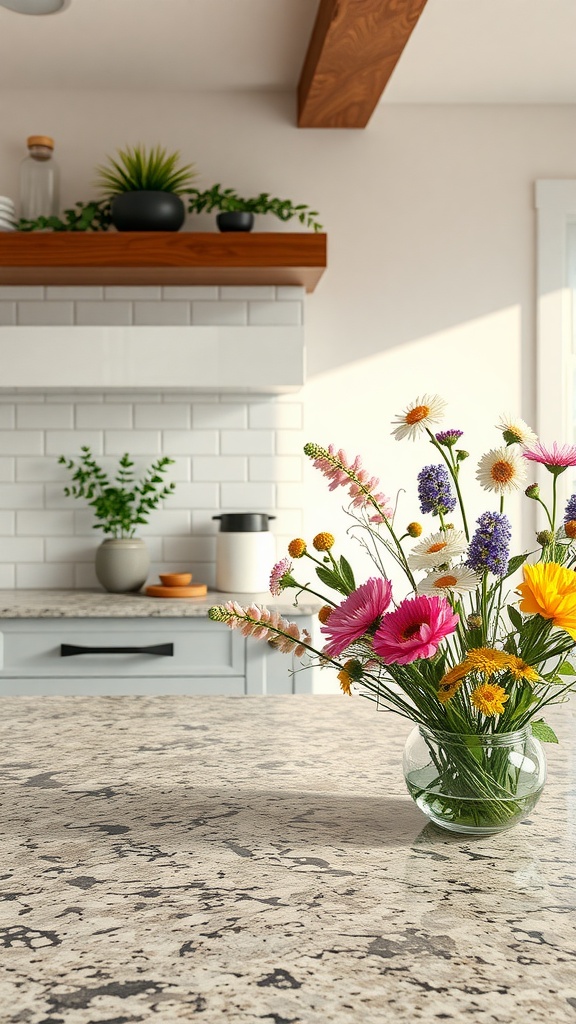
{"x": 358, "y": 612}
{"x": 414, "y": 630}
{"x": 556, "y": 458}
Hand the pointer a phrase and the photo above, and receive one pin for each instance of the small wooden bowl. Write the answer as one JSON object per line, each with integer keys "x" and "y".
{"x": 175, "y": 579}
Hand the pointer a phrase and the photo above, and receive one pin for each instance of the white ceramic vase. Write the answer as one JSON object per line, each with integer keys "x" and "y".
{"x": 122, "y": 565}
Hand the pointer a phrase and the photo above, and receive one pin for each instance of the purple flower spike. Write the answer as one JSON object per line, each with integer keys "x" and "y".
{"x": 434, "y": 490}
{"x": 490, "y": 545}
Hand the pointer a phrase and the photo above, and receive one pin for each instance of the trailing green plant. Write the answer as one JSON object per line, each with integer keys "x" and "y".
{"x": 92, "y": 216}
{"x": 121, "y": 504}
{"x": 137, "y": 169}
{"x": 227, "y": 200}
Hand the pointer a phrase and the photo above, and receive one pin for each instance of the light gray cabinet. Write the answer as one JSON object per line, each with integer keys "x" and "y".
{"x": 140, "y": 656}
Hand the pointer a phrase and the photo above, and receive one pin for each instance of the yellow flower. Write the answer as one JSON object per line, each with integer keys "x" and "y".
{"x": 323, "y": 541}
{"x": 489, "y": 698}
{"x": 414, "y": 529}
{"x": 324, "y": 613}
{"x": 345, "y": 678}
{"x": 549, "y": 590}
{"x": 452, "y": 681}
{"x": 487, "y": 660}
{"x": 297, "y": 548}
{"x": 519, "y": 669}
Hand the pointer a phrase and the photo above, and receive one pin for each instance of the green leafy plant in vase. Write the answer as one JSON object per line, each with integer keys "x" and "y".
{"x": 120, "y": 505}
{"x": 237, "y": 213}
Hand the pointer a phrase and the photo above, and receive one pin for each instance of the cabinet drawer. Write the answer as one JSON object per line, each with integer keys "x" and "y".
{"x": 200, "y": 648}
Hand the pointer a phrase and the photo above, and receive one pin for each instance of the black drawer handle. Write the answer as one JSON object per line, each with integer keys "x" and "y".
{"x": 165, "y": 650}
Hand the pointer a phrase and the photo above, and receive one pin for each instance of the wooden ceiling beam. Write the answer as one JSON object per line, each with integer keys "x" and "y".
{"x": 354, "y": 48}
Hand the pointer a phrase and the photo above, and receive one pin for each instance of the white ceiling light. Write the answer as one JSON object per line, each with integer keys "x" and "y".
{"x": 35, "y": 6}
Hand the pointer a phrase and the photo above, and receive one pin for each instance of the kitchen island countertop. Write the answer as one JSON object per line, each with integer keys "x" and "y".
{"x": 97, "y": 604}
{"x": 257, "y": 859}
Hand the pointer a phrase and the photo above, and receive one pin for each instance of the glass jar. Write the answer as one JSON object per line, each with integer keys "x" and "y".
{"x": 474, "y": 784}
{"x": 39, "y": 179}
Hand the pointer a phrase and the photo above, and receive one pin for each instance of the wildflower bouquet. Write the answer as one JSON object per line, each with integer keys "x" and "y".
{"x": 472, "y": 662}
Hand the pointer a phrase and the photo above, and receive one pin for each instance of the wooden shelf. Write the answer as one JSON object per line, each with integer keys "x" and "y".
{"x": 162, "y": 257}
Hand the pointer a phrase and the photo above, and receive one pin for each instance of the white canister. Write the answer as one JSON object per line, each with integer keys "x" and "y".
{"x": 244, "y": 553}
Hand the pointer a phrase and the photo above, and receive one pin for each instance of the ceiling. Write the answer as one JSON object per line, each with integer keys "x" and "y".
{"x": 461, "y": 51}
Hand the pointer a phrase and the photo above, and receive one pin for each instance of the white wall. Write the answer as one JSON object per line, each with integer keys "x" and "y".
{"x": 430, "y": 221}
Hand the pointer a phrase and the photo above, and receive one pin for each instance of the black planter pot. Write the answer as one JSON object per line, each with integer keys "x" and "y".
{"x": 147, "y": 211}
{"x": 236, "y": 220}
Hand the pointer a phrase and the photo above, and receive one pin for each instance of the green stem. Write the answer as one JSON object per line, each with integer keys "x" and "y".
{"x": 453, "y": 473}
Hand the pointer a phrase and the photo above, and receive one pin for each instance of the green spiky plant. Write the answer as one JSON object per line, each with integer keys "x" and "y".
{"x": 137, "y": 169}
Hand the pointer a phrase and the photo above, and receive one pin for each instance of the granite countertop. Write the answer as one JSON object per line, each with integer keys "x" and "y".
{"x": 258, "y": 859}
{"x": 97, "y": 604}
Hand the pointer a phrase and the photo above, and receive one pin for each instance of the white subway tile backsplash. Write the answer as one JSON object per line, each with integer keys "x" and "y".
{"x": 162, "y": 314}
{"x": 193, "y": 496}
{"x": 251, "y": 497}
{"x": 85, "y": 577}
{"x": 220, "y": 415}
{"x": 172, "y": 522}
{"x": 104, "y": 313}
{"x": 220, "y": 314}
{"x": 289, "y": 495}
{"x": 21, "y": 549}
{"x": 7, "y": 314}
{"x": 7, "y": 469}
{"x": 21, "y": 442}
{"x": 290, "y": 442}
{"x": 21, "y": 496}
{"x": 273, "y": 313}
{"x": 44, "y": 416}
{"x": 7, "y": 417}
{"x": 233, "y": 451}
{"x": 243, "y": 292}
{"x": 69, "y": 442}
{"x": 162, "y": 416}
{"x": 190, "y": 292}
{"x": 71, "y": 549}
{"x": 247, "y": 442}
{"x": 102, "y": 416}
{"x": 131, "y": 292}
{"x": 59, "y": 576}
{"x": 31, "y": 469}
{"x": 290, "y": 292}
{"x": 190, "y": 442}
{"x": 20, "y": 292}
{"x": 7, "y": 524}
{"x": 275, "y": 467}
{"x": 57, "y": 314}
{"x": 135, "y": 442}
{"x": 219, "y": 467}
{"x": 44, "y": 523}
{"x": 74, "y": 293}
{"x": 7, "y": 576}
{"x": 270, "y": 413}
{"x": 189, "y": 549}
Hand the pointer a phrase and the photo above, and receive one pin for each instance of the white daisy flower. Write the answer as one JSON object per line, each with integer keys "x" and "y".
{"x": 420, "y": 414}
{"x": 501, "y": 470}
{"x": 516, "y": 431}
{"x": 459, "y": 579}
{"x": 437, "y": 549}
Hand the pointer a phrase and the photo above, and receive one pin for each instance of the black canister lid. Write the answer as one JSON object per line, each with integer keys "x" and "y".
{"x": 243, "y": 522}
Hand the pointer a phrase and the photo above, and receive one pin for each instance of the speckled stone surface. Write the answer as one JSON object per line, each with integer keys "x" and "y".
{"x": 96, "y": 604}
{"x": 169, "y": 859}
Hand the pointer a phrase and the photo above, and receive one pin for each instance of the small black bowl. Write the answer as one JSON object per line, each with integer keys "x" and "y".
{"x": 235, "y": 220}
